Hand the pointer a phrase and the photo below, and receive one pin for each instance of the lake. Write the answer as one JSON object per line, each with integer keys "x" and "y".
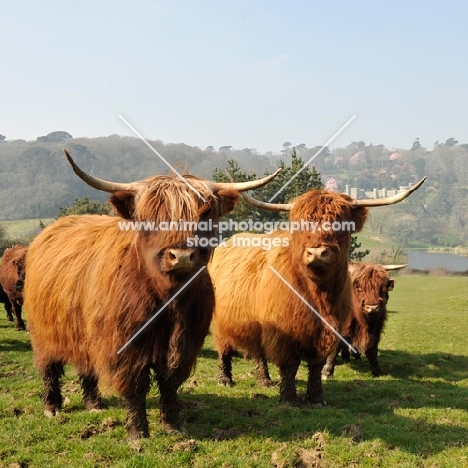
{"x": 419, "y": 259}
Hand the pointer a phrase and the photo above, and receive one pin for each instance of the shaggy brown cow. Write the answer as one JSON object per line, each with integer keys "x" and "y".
{"x": 264, "y": 298}
{"x": 91, "y": 286}
{"x": 371, "y": 285}
{"x": 12, "y": 273}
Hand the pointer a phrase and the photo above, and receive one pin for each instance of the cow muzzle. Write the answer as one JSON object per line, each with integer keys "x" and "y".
{"x": 318, "y": 255}
{"x": 371, "y": 308}
{"x": 181, "y": 259}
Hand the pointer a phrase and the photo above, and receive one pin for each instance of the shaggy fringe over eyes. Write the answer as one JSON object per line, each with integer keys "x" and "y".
{"x": 369, "y": 277}
{"x": 320, "y": 206}
{"x": 168, "y": 199}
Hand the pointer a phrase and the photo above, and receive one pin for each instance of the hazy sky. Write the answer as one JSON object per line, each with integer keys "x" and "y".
{"x": 247, "y": 73}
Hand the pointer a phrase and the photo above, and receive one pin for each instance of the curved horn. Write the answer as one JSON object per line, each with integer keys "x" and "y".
{"x": 244, "y": 186}
{"x": 260, "y": 204}
{"x": 394, "y": 267}
{"x": 389, "y": 200}
{"x": 96, "y": 183}
{"x": 265, "y": 205}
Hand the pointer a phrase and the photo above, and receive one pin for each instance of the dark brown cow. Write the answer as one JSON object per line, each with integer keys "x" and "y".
{"x": 92, "y": 285}
{"x": 12, "y": 273}
{"x": 371, "y": 285}
{"x": 264, "y": 298}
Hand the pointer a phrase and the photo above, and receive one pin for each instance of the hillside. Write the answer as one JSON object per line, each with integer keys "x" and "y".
{"x": 35, "y": 178}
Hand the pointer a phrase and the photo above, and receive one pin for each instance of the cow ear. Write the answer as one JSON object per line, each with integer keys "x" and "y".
{"x": 124, "y": 203}
{"x": 359, "y": 217}
{"x": 391, "y": 284}
{"x": 228, "y": 200}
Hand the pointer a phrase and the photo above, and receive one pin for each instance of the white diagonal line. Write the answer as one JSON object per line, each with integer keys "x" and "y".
{"x": 312, "y": 158}
{"x": 162, "y": 159}
{"x": 161, "y": 309}
{"x": 312, "y": 309}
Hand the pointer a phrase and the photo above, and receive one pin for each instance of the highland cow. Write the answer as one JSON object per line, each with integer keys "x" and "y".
{"x": 91, "y": 286}
{"x": 371, "y": 285}
{"x": 12, "y": 273}
{"x": 265, "y": 299}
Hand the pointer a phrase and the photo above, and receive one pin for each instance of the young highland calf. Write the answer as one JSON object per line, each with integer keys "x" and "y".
{"x": 92, "y": 286}
{"x": 12, "y": 273}
{"x": 265, "y": 299}
{"x": 371, "y": 285}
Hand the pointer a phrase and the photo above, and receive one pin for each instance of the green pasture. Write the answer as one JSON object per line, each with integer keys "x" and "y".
{"x": 414, "y": 416}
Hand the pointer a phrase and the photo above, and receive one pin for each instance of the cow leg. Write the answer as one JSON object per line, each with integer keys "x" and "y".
{"x": 371, "y": 354}
{"x": 91, "y": 393}
{"x": 169, "y": 404}
{"x": 345, "y": 354}
{"x": 19, "y": 324}
{"x": 314, "y": 384}
{"x": 329, "y": 367}
{"x": 225, "y": 367}
{"x": 137, "y": 421}
{"x": 261, "y": 369}
{"x": 9, "y": 310}
{"x": 288, "y": 384}
{"x": 52, "y": 396}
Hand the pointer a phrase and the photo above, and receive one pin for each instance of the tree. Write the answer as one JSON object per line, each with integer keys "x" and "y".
{"x": 419, "y": 165}
{"x": 354, "y": 254}
{"x": 416, "y": 145}
{"x": 2, "y": 138}
{"x": 84, "y": 206}
{"x": 55, "y": 137}
{"x": 307, "y": 179}
{"x": 451, "y": 142}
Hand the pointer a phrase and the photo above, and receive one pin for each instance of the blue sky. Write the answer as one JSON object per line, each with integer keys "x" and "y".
{"x": 242, "y": 73}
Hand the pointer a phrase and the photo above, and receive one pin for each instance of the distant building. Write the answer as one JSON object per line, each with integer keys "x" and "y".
{"x": 375, "y": 193}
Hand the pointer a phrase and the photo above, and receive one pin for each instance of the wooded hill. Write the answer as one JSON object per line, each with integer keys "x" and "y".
{"x": 35, "y": 178}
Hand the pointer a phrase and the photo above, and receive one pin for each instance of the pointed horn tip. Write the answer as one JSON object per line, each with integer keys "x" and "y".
{"x": 394, "y": 267}
{"x": 67, "y": 154}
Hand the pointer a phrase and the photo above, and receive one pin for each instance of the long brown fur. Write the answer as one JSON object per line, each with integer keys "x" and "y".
{"x": 12, "y": 273}
{"x": 91, "y": 286}
{"x": 256, "y": 312}
{"x": 371, "y": 285}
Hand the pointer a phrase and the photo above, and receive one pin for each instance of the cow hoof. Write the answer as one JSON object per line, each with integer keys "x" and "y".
{"x": 173, "y": 429}
{"x": 321, "y": 404}
{"x": 20, "y": 328}
{"x": 51, "y": 413}
{"x": 266, "y": 383}
{"x": 294, "y": 403}
{"x": 135, "y": 435}
{"x": 226, "y": 382}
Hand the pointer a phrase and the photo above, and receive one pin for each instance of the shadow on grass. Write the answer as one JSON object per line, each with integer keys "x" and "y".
{"x": 406, "y": 413}
{"x": 395, "y": 412}
{"x": 7, "y": 344}
{"x": 401, "y": 365}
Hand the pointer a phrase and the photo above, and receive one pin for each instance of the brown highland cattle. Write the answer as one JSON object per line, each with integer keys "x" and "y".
{"x": 264, "y": 298}
{"x": 371, "y": 285}
{"x": 91, "y": 286}
{"x": 12, "y": 274}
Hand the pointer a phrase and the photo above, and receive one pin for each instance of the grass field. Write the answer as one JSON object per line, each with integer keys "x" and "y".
{"x": 414, "y": 416}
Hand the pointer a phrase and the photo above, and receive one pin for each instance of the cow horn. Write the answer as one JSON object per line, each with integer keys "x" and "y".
{"x": 389, "y": 200}
{"x": 265, "y": 205}
{"x": 260, "y": 204}
{"x": 394, "y": 267}
{"x": 99, "y": 184}
{"x": 244, "y": 186}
